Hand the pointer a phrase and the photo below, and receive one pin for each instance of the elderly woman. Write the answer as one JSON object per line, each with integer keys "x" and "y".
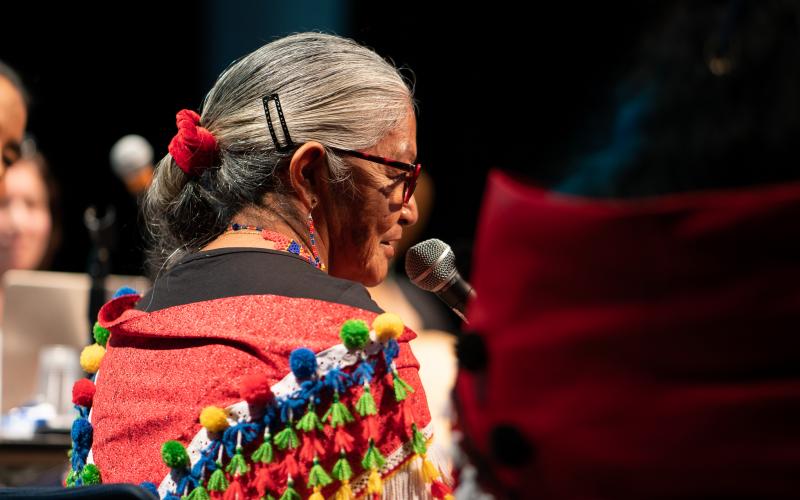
{"x": 258, "y": 365}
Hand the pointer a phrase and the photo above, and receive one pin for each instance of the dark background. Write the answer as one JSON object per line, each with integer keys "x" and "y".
{"x": 498, "y": 85}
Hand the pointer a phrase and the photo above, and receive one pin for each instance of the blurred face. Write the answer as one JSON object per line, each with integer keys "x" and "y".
{"x": 12, "y": 124}
{"x": 25, "y": 223}
{"x": 364, "y": 232}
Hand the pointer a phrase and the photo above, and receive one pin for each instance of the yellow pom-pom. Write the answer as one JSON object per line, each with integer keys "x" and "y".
{"x": 316, "y": 495}
{"x": 344, "y": 492}
{"x": 449, "y": 497}
{"x": 387, "y": 326}
{"x": 91, "y": 357}
{"x": 374, "y": 483}
{"x": 429, "y": 471}
{"x": 214, "y": 419}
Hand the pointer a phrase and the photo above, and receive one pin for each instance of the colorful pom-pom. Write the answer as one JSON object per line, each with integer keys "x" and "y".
{"x": 91, "y": 357}
{"x": 174, "y": 455}
{"x": 255, "y": 390}
{"x": 214, "y": 419}
{"x": 91, "y": 475}
{"x": 125, "y": 290}
{"x": 82, "y": 434}
{"x": 83, "y": 392}
{"x": 303, "y": 363}
{"x": 354, "y": 334}
{"x": 387, "y": 326}
{"x": 100, "y": 334}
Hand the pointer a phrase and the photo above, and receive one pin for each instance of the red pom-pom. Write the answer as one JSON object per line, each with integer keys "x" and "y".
{"x": 83, "y": 392}
{"x": 440, "y": 490}
{"x": 255, "y": 390}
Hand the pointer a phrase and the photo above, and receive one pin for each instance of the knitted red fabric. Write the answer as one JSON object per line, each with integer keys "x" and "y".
{"x": 194, "y": 148}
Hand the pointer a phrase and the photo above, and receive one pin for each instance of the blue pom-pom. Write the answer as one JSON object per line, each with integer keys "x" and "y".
{"x": 82, "y": 434}
{"x": 125, "y": 290}
{"x": 147, "y": 485}
{"x": 303, "y": 363}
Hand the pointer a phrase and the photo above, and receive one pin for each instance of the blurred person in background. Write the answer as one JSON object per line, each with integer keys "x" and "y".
{"x": 13, "y": 116}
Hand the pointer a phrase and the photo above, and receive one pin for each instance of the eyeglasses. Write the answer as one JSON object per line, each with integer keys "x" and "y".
{"x": 412, "y": 169}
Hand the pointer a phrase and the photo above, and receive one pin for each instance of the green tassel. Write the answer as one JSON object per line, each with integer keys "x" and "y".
{"x": 218, "y": 481}
{"x": 366, "y": 403}
{"x": 238, "y": 465}
{"x": 372, "y": 458}
{"x": 264, "y": 452}
{"x": 198, "y": 493}
{"x": 290, "y": 493}
{"x": 338, "y": 413}
{"x": 310, "y": 421}
{"x": 317, "y": 476}
{"x": 287, "y": 438}
{"x": 341, "y": 469}
{"x": 418, "y": 441}
{"x": 401, "y": 388}
{"x": 70, "y": 481}
{"x": 90, "y": 475}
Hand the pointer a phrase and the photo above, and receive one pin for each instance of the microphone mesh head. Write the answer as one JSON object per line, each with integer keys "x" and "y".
{"x": 130, "y": 153}
{"x": 430, "y": 264}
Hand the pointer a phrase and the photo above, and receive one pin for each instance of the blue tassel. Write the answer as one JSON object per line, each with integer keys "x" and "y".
{"x": 172, "y": 496}
{"x": 364, "y": 372}
{"x": 82, "y": 411}
{"x": 188, "y": 480}
{"x": 125, "y": 290}
{"x": 390, "y": 351}
{"x": 149, "y": 487}
{"x": 296, "y": 405}
{"x": 309, "y": 389}
{"x": 81, "y": 434}
{"x": 337, "y": 380}
{"x": 229, "y": 437}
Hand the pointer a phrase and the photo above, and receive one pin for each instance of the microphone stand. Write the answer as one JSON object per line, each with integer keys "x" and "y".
{"x": 101, "y": 231}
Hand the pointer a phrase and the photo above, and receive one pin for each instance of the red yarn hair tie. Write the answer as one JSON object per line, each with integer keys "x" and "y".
{"x": 194, "y": 148}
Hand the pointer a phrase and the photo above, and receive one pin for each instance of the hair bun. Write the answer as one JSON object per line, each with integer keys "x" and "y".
{"x": 194, "y": 148}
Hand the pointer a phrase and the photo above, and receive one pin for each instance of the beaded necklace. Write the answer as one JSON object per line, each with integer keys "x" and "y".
{"x": 282, "y": 242}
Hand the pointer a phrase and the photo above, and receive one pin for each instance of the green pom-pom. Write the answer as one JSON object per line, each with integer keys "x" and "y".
{"x": 317, "y": 476}
{"x": 264, "y": 452}
{"x": 338, "y": 413}
{"x": 238, "y": 465}
{"x": 70, "y": 480}
{"x": 372, "y": 458}
{"x": 418, "y": 441}
{"x": 198, "y": 493}
{"x": 354, "y": 334}
{"x": 100, "y": 334}
{"x": 401, "y": 387}
{"x": 290, "y": 493}
{"x": 366, "y": 403}
{"x": 310, "y": 421}
{"x": 174, "y": 455}
{"x": 287, "y": 438}
{"x": 341, "y": 469}
{"x": 91, "y": 475}
{"x": 218, "y": 481}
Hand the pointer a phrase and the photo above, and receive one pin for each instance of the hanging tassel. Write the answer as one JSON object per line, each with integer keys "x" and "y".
{"x": 234, "y": 491}
{"x": 310, "y": 420}
{"x": 429, "y": 471}
{"x": 238, "y": 465}
{"x": 418, "y": 441}
{"x": 218, "y": 481}
{"x": 199, "y": 493}
{"x": 264, "y": 453}
{"x": 343, "y": 440}
{"x": 374, "y": 483}
{"x": 290, "y": 466}
{"x": 338, "y": 413}
{"x": 290, "y": 493}
{"x": 370, "y": 428}
{"x": 441, "y": 490}
{"x": 287, "y": 438}
{"x": 372, "y": 458}
{"x": 264, "y": 482}
{"x": 312, "y": 447}
{"x": 366, "y": 403}
{"x": 401, "y": 387}
{"x": 316, "y": 495}
{"x": 317, "y": 477}
{"x": 345, "y": 492}
{"x": 341, "y": 469}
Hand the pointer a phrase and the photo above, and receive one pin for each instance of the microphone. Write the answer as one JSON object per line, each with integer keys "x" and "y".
{"x": 431, "y": 265}
{"x": 132, "y": 161}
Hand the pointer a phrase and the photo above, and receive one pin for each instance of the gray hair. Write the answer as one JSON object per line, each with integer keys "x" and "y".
{"x": 331, "y": 90}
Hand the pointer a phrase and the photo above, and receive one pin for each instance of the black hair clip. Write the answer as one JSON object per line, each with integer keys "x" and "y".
{"x": 289, "y": 144}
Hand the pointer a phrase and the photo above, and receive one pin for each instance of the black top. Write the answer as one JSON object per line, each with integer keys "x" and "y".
{"x": 228, "y": 272}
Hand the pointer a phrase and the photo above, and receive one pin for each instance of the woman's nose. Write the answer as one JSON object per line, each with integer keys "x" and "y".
{"x": 409, "y": 213}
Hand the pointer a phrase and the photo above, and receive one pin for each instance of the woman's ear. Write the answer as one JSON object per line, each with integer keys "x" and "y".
{"x": 305, "y": 168}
